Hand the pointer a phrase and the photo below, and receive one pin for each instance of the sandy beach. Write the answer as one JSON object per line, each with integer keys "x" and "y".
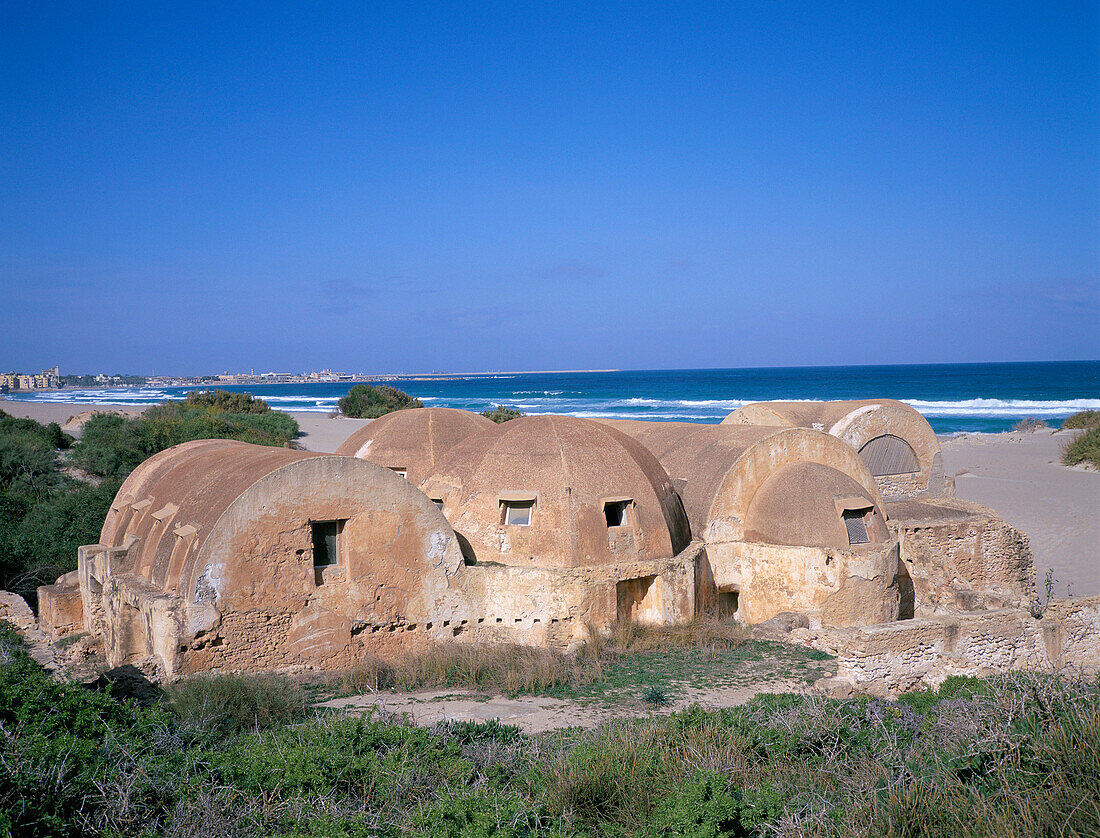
{"x": 1019, "y": 475}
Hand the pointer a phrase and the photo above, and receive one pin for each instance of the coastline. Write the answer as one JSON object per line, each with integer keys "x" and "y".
{"x": 1017, "y": 474}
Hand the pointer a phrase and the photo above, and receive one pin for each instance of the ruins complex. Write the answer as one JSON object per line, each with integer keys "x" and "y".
{"x": 432, "y": 525}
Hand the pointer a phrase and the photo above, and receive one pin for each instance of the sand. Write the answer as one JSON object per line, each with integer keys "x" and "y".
{"x": 324, "y": 432}
{"x": 1018, "y": 475}
{"x": 1021, "y": 476}
{"x": 539, "y": 714}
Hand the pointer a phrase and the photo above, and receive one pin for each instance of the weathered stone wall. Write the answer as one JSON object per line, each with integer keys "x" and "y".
{"x": 893, "y": 658}
{"x": 555, "y": 606}
{"x": 833, "y": 586}
{"x": 962, "y": 557}
{"x": 60, "y": 606}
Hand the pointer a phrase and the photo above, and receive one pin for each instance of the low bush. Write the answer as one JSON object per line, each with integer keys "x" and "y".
{"x": 501, "y": 414}
{"x": 225, "y": 401}
{"x": 365, "y": 401}
{"x": 113, "y": 445}
{"x": 1084, "y": 449}
{"x": 1082, "y": 421}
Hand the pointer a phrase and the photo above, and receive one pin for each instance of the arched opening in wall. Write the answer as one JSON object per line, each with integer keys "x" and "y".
{"x": 889, "y": 454}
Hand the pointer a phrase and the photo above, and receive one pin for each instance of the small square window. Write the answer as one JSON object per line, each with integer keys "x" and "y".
{"x": 326, "y": 542}
{"x": 517, "y": 513}
{"x": 855, "y": 522}
{"x": 617, "y": 512}
{"x": 438, "y": 502}
{"x": 404, "y": 472}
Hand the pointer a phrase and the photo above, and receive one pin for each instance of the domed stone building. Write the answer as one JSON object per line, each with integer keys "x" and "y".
{"x": 411, "y": 442}
{"x": 791, "y": 520}
{"x": 897, "y": 443}
{"x": 961, "y": 555}
{"x": 223, "y": 555}
{"x": 565, "y": 522}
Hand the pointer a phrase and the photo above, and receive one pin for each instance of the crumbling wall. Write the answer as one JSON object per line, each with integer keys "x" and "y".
{"x": 836, "y": 587}
{"x": 962, "y": 557}
{"x": 888, "y": 659}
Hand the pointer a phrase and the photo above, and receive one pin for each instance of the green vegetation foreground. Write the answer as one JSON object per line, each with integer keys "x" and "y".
{"x": 47, "y": 509}
{"x": 245, "y": 755}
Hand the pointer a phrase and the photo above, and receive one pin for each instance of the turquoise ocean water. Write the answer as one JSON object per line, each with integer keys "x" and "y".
{"x": 954, "y": 397}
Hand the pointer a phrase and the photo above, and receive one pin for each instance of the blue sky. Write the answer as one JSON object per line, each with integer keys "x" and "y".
{"x": 406, "y": 187}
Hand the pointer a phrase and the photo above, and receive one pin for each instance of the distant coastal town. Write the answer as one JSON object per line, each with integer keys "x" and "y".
{"x": 52, "y": 379}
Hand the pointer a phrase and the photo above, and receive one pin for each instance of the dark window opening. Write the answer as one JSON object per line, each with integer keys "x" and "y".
{"x": 326, "y": 542}
{"x": 615, "y": 513}
{"x": 727, "y": 603}
{"x": 404, "y": 472}
{"x": 438, "y": 502}
{"x": 855, "y": 522}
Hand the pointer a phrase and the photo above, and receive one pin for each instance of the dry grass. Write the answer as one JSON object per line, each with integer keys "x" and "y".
{"x": 1029, "y": 425}
{"x": 513, "y": 669}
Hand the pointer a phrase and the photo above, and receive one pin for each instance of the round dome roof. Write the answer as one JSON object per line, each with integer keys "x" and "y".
{"x": 559, "y": 491}
{"x": 806, "y": 504}
{"x": 413, "y": 441}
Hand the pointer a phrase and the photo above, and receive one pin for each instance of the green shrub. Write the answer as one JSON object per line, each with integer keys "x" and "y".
{"x": 225, "y": 704}
{"x": 706, "y": 807}
{"x": 1082, "y": 421}
{"x": 1084, "y": 449}
{"x": 479, "y": 813}
{"x": 43, "y": 545}
{"x": 501, "y": 414}
{"x": 365, "y": 401}
{"x": 224, "y": 401}
{"x": 113, "y": 446}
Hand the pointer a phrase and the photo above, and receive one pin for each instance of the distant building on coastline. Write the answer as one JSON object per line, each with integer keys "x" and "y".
{"x": 28, "y": 381}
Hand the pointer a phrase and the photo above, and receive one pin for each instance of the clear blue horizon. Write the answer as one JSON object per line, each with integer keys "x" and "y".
{"x": 559, "y": 186}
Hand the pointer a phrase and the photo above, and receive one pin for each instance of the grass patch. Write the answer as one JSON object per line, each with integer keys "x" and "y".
{"x": 632, "y": 658}
{"x": 226, "y": 704}
{"x": 1010, "y": 757}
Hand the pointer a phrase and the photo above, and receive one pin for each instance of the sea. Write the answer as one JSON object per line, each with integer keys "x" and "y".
{"x": 956, "y": 398}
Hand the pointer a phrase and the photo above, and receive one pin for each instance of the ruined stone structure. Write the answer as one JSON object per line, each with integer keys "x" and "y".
{"x": 954, "y": 555}
{"x": 896, "y": 442}
{"x": 565, "y": 522}
{"x": 791, "y": 520}
{"x": 960, "y": 556}
{"x": 410, "y": 442}
{"x": 435, "y": 524}
{"x": 897, "y": 657}
{"x": 220, "y": 554}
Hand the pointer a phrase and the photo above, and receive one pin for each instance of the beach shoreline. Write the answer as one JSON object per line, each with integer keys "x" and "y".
{"x": 1019, "y": 475}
